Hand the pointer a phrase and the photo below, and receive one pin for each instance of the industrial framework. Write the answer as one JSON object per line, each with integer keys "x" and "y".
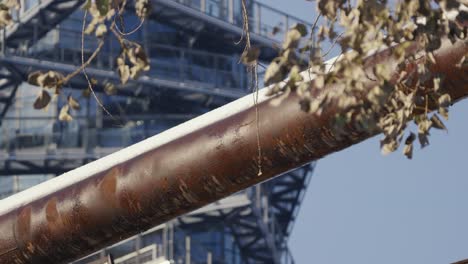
{"x": 121, "y": 194}
{"x": 194, "y": 70}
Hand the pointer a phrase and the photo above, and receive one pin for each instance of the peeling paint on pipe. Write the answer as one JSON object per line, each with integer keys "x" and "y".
{"x": 178, "y": 171}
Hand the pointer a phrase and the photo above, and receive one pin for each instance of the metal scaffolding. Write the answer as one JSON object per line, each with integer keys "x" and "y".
{"x": 187, "y": 78}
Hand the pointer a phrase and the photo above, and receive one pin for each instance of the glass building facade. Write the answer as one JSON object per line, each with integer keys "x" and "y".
{"x": 194, "y": 68}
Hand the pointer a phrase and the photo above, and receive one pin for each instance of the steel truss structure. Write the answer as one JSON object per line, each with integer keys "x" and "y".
{"x": 259, "y": 219}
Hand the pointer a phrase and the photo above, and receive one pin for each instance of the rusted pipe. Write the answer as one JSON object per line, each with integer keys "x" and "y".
{"x": 178, "y": 171}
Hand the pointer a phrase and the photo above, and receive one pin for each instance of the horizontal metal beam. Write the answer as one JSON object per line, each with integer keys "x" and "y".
{"x": 37, "y": 20}
{"x": 144, "y": 80}
{"x": 182, "y": 169}
{"x": 225, "y": 25}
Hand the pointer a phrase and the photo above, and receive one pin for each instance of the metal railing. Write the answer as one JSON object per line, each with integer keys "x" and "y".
{"x": 265, "y": 21}
{"x": 134, "y": 251}
{"x": 149, "y": 254}
{"x": 26, "y": 8}
{"x": 167, "y": 62}
{"x": 78, "y": 134}
{"x": 170, "y": 63}
{"x": 166, "y": 244}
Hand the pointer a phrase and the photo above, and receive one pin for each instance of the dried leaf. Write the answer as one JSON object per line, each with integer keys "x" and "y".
{"x": 319, "y": 81}
{"x": 436, "y": 82}
{"x": 289, "y": 57}
{"x": 138, "y": 57}
{"x": 431, "y": 58}
{"x": 388, "y": 145}
{"x": 314, "y": 107}
{"x": 444, "y": 100}
{"x": 424, "y": 126}
{"x": 142, "y": 8}
{"x": 275, "y": 89}
{"x": 275, "y": 30}
{"x": 91, "y": 26}
{"x": 423, "y": 140}
{"x": 50, "y": 80}
{"x": 124, "y": 73}
{"x": 102, "y": 6}
{"x": 277, "y": 100}
{"x": 437, "y": 123}
{"x": 301, "y": 28}
{"x": 32, "y": 78}
{"x": 5, "y": 18}
{"x": 295, "y": 75}
{"x": 101, "y": 30}
{"x": 73, "y": 103}
{"x": 444, "y": 112}
{"x": 410, "y": 139}
{"x": 383, "y": 70}
{"x": 273, "y": 73}
{"x": 408, "y": 151}
{"x": 110, "y": 89}
{"x": 250, "y": 56}
{"x": 135, "y": 71}
{"x": 86, "y": 93}
{"x": 292, "y": 39}
{"x": 328, "y": 8}
{"x": 42, "y": 100}
{"x": 87, "y": 5}
{"x": 121, "y": 60}
{"x": 322, "y": 32}
{"x": 462, "y": 61}
{"x": 64, "y": 115}
{"x": 12, "y": 4}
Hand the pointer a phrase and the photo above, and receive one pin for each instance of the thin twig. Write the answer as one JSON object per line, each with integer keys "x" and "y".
{"x": 314, "y": 26}
{"x": 98, "y": 49}
{"x": 119, "y": 37}
{"x": 333, "y": 44}
{"x": 245, "y": 26}
{"x": 253, "y": 70}
{"x": 83, "y": 66}
{"x": 122, "y": 23}
{"x": 334, "y": 62}
{"x": 257, "y": 121}
{"x": 427, "y": 105}
{"x": 132, "y": 31}
{"x": 311, "y": 41}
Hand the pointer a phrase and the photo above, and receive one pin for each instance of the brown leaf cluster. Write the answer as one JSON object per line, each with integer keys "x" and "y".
{"x": 367, "y": 27}
{"x": 131, "y": 62}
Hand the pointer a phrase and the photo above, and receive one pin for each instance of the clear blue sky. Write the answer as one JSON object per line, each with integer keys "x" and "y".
{"x": 362, "y": 207}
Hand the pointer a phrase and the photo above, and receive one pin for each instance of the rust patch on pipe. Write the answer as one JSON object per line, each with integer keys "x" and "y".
{"x": 52, "y": 213}
{"x": 108, "y": 186}
{"x": 130, "y": 202}
{"x": 23, "y": 225}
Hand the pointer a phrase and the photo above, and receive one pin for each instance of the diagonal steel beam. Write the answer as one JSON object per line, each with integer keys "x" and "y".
{"x": 7, "y": 103}
{"x": 182, "y": 169}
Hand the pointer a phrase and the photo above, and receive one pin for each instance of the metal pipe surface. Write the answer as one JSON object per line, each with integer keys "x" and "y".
{"x": 180, "y": 170}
